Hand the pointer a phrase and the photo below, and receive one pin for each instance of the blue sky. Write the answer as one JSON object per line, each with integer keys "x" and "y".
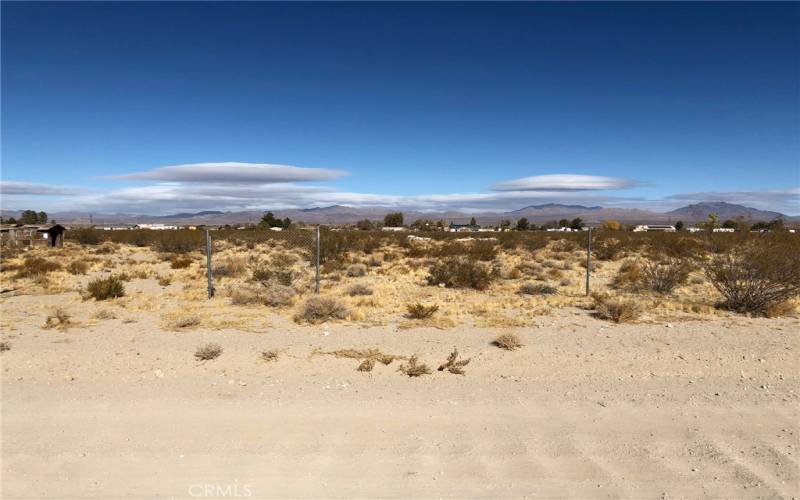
{"x": 444, "y": 105}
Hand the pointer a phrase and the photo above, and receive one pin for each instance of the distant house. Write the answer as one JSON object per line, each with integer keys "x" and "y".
{"x": 51, "y": 235}
{"x": 560, "y": 230}
{"x": 158, "y": 227}
{"x": 724, "y": 230}
{"x": 395, "y": 229}
{"x": 694, "y": 229}
{"x": 463, "y": 228}
{"x": 664, "y": 228}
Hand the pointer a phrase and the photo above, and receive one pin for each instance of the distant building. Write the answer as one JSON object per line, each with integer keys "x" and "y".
{"x": 724, "y": 230}
{"x": 664, "y": 228}
{"x": 395, "y": 229}
{"x": 561, "y": 230}
{"x": 156, "y": 227}
{"x": 463, "y": 228}
{"x": 694, "y": 229}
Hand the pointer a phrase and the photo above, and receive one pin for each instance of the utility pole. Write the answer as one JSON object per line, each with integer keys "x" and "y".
{"x": 588, "y": 258}
{"x": 208, "y": 265}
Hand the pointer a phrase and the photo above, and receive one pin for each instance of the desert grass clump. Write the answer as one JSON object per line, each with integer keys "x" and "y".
{"x": 414, "y": 368}
{"x": 59, "y": 318}
{"x": 756, "y": 277}
{"x": 537, "y": 289}
{"x": 105, "y": 314}
{"x": 33, "y": 267}
{"x": 164, "y": 280}
{"x": 188, "y": 321}
{"x": 367, "y": 365}
{"x": 460, "y": 272}
{"x": 269, "y": 294}
{"x": 5, "y": 346}
{"x": 629, "y": 275}
{"x": 663, "y": 276}
{"x": 507, "y": 341}
{"x": 321, "y": 309}
{"x": 270, "y": 356}
{"x": 208, "y": 352}
{"x": 359, "y": 290}
{"x": 105, "y": 288}
{"x": 785, "y": 308}
{"x": 616, "y": 309}
{"x": 421, "y": 311}
{"x": 356, "y": 270}
{"x": 453, "y": 364}
{"x": 229, "y": 268}
{"x": 77, "y": 267}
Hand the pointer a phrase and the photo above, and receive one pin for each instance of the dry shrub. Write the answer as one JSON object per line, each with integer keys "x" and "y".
{"x": 270, "y": 356}
{"x": 230, "y": 267}
{"x": 164, "y": 280}
{"x": 616, "y": 309}
{"x": 414, "y": 368}
{"x": 755, "y": 277}
{"x": 105, "y": 314}
{"x": 208, "y": 352}
{"x": 5, "y": 346}
{"x": 320, "y": 309}
{"x": 33, "y": 267}
{"x": 356, "y": 270}
{"x": 78, "y": 267}
{"x": 368, "y": 357}
{"x": 366, "y": 366}
{"x": 359, "y": 289}
{"x": 460, "y": 272}
{"x": 420, "y": 311}
{"x": 664, "y": 275}
{"x": 507, "y": 341}
{"x": 607, "y": 248}
{"x": 284, "y": 259}
{"x": 188, "y": 321}
{"x": 262, "y": 274}
{"x": 537, "y": 289}
{"x": 105, "y": 288}
{"x": 58, "y": 318}
{"x": 180, "y": 262}
{"x": 453, "y": 364}
{"x": 629, "y": 275}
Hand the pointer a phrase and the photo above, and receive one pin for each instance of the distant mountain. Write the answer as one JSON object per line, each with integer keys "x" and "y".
{"x": 342, "y": 214}
{"x": 700, "y": 211}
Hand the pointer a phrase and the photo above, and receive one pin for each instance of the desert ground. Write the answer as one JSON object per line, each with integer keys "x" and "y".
{"x": 112, "y": 399}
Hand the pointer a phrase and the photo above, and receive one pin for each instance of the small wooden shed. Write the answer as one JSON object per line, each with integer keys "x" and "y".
{"x": 54, "y": 234}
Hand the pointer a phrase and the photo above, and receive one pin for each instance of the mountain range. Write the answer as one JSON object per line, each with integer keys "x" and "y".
{"x": 341, "y": 214}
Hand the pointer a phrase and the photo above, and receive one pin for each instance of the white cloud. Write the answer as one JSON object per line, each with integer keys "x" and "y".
{"x": 14, "y": 188}
{"x": 234, "y": 173}
{"x": 563, "y": 182}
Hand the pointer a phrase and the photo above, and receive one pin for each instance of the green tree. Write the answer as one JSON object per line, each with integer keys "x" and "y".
{"x": 679, "y": 225}
{"x": 42, "y": 217}
{"x": 473, "y": 222}
{"x": 394, "y": 219}
{"x": 576, "y": 224}
{"x": 286, "y": 222}
{"x": 563, "y": 223}
{"x": 522, "y": 224}
{"x": 11, "y": 220}
{"x": 365, "y": 225}
{"x": 29, "y": 217}
{"x": 505, "y": 224}
{"x": 269, "y": 220}
{"x": 729, "y": 224}
{"x": 713, "y": 218}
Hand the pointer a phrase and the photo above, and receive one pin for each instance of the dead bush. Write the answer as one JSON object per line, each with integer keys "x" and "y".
{"x": 420, "y": 311}
{"x": 460, "y": 272}
{"x": 105, "y": 288}
{"x": 77, "y": 267}
{"x": 453, "y": 364}
{"x": 164, "y": 280}
{"x": 320, "y": 309}
{"x": 208, "y": 352}
{"x": 629, "y": 276}
{"x": 263, "y": 274}
{"x": 187, "y": 321}
{"x": 230, "y": 267}
{"x": 507, "y": 341}
{"x": 356, "y": 270}
{"x": 537, "y": 289}
{"x": 59, "y": 318}
{"x": 616, "y": 309}
{"x": 358, "y": 289}
{"x": 180, "y": 262}
{"x": 755, "y": 277}
{"x": 414, "y": 368}
{"x": 270, "y": 356}
{"x": 5, "y": 346}
{"x": 664, "y": 275}
{"x": 270, "y": 294}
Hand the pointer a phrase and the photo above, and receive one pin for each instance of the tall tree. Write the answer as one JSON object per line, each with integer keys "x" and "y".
{"x": 29, "y": 217}
{"x": 42, "y": 217}
{"x": 394, "y": 219}
{"x": 522, "y": 224}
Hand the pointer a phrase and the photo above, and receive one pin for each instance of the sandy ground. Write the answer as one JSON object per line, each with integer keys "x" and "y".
{"x": 587, "y": 409}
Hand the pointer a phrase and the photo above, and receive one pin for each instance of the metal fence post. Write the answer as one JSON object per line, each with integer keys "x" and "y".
{"x": 588, "y": 258}
{"x": 208, "y": 265}
{"x": 316, "y": 288}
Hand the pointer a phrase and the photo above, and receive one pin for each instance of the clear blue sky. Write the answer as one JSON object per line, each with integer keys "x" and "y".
{"x": 688, "y": 101}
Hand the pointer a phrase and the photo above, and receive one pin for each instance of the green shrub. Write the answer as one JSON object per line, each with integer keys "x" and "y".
{"x": 616, "y": 309}
{"x": 420, "y": 311}
{"x": 537, "y": 289}
{"x": 105, "y": 288}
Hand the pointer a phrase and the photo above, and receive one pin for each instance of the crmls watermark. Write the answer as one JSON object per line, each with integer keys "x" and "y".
{"x": 220, "y": 490}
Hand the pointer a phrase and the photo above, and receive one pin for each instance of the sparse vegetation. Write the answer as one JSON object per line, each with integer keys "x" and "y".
{"x": 359, "y": 290}
{"x": 187, "y": 321}
{"x": 320, "y": 309}
{"x": 164, "y": 280}
{"x": 78, "y": 267}
{"x": 664, "y": 275}
{"x": 270, "y": 356}
{"x": 208, "y": 352}
{"x": 5, "y": 346}
{"x": 507, "y": 341}
{"x": 105, "y": 288}
{"x": 33, "y": 267}
{"x": 180, "y": 261}
{"x": 356, "y": 270}
{"x": 59, "y": 318}
{"x": 421, "y": 311}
